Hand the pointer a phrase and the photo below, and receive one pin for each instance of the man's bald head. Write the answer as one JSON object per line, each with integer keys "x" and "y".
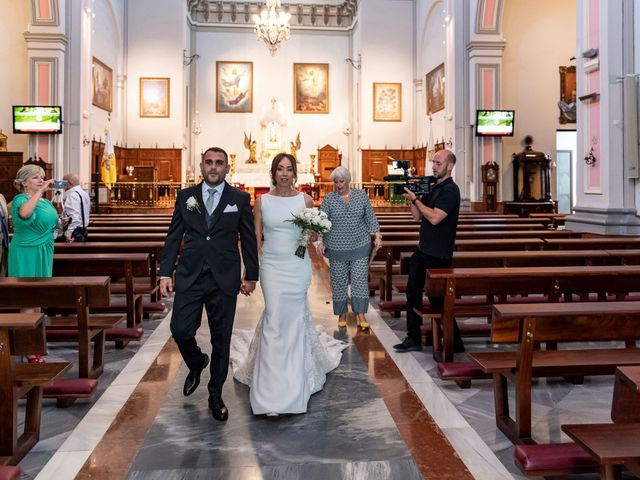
{"x": 72, "y": 178}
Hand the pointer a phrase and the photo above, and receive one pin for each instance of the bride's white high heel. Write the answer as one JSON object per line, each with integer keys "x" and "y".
{"x": 272, "y": 414}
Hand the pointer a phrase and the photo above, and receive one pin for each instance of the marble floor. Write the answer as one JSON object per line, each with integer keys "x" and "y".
{"x": 381, "y": 415}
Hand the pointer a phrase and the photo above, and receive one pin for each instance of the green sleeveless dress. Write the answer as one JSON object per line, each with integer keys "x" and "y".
{"x": 31, "y": 248}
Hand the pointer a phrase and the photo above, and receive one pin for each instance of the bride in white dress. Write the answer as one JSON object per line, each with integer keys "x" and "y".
{"x": 287, "y": 358}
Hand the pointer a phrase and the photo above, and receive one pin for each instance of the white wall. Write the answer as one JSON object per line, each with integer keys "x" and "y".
{"x": 272, "y": 78}
{"x": 107, "y": 45}
{"x": 540, "y": 36}
{"x": 14, "y": 80}
{"x": 430, "y": 25}
{"x": 387, "y": 56}
{"x": 155, "y": 46}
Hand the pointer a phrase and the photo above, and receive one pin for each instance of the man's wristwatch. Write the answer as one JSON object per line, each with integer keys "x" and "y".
{"x": 413, "y": 202}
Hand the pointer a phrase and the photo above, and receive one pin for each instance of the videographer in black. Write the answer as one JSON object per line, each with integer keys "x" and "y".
{"x": 438, "y": 214}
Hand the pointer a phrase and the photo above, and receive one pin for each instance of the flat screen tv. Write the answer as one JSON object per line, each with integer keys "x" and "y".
{"x": 495, "y": 123}
{"x": 37, "y": 119}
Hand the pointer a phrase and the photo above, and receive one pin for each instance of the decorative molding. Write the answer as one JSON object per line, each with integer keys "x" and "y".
{"x": 493, "y": 8}
{"x": 35, "y": 37}
{"x": 37, "y": 14}
{"x": 240, "y": 14}
{"x": 53, "y": 79}
{"x": 490, "y": 45}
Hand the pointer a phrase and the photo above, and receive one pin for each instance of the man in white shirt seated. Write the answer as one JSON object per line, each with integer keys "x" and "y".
{"x": 76, "y": 206}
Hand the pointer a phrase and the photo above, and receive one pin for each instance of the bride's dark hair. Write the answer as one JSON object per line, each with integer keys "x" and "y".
{"x": 276, "y": 161}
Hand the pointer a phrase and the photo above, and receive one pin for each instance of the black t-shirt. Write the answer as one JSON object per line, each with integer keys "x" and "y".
{"x": 438, "y": 240}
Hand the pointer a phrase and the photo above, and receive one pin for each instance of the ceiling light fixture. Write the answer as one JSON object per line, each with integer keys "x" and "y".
{"x": 272, "y": 25}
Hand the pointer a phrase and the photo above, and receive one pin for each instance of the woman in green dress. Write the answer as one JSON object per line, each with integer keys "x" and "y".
{"x": 34, "y": 222}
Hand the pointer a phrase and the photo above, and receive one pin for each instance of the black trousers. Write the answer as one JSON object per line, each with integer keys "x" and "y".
{"x": 187, "y": 317}
{"x": 418, "y": 265}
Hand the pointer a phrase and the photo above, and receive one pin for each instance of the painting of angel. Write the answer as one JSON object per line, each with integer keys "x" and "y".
{"x": 234, "y": 87}
{"x": 311, "y": 88}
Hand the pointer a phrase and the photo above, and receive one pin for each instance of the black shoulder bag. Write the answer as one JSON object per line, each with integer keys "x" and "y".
{"x": 80, "y": 234}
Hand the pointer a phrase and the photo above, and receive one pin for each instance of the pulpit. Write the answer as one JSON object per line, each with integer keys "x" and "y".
{"x": 329, "y": 159}
{"x": 531, "y": 182}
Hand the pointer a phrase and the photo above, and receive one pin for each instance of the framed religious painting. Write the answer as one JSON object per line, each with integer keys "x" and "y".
{"x": 387, "y": 102}
{"x": 154, "y": 97}
{"x": 434, "y": 87}
{"x": 234, "y": 87}
{"x": 567, "y": 102}
{"x": 101, "y": 85}
{"x": 311, "y": 88}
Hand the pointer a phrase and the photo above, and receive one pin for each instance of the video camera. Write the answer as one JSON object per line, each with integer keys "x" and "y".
{"x": 417, "y": 185}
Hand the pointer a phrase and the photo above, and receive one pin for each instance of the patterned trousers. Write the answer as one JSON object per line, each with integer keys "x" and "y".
{"x": 357, "y": 272}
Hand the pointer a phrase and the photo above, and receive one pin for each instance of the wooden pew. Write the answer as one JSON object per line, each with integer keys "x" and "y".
{"x": 528, "y": 325}
{"x": 19, "y": 380}
{"x": 130, "y": 215}
{"x": 544, "y": 234}
{"x": 391, "y": 250}
{"x": 618, "y": 443}
{"x": 81, "y": 293}
{"x": 625, "y": 407}
{"x": 613, "y": 445}
{"x": 469, "y": 227}
{"x": 549, "y": 282}
{"x": 606, "y": 243}
{"x": 128, "y": 237}
{"x": 509, "y": 258}
{"x": 127, "y": 229}
{"x": 132, "y": 222}
{"x": 411, "y": 234}
{"x": 116, "y": 265}
{"x": 152, "y": 248}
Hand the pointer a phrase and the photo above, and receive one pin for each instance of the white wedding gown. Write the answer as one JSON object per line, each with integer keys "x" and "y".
{"x": 287, "y": 358}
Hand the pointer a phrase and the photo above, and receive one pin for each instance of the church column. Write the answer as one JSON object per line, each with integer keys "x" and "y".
{"x": 485, "y": 50}
{"x": 604, "y": 198}
{"x": 46, "y": 48}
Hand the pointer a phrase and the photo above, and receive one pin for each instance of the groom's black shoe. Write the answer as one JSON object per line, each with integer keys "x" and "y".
{"x": 218, "y": 409}
{"x": 193, "y": 379}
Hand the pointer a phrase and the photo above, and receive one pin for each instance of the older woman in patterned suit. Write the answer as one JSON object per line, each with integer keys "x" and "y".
{"x": 347, "y": 245}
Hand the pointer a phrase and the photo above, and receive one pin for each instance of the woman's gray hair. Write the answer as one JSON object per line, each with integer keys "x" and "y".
{"x": 26, "y": 172}
{"x": 341, "y": 172}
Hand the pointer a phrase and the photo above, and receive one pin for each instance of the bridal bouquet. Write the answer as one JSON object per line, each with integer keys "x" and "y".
{"x": 309, "y": 220}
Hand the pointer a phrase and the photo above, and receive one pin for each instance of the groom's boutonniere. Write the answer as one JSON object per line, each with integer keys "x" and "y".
{"x": 192, "y": 204}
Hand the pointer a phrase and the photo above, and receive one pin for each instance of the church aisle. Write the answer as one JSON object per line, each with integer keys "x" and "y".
{"x": 368, "y": 422}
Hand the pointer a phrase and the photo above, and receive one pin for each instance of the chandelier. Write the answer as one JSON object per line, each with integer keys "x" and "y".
{"x": 272, "y": 25}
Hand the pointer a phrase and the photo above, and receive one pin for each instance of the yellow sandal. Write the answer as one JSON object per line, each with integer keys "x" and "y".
{"x": 362, "y": 321}
{"x": 342, "y": 320}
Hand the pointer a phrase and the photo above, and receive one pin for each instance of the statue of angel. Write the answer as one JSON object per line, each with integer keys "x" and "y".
{"x": 295, "y": 146}
{"x": 251, "y": 145}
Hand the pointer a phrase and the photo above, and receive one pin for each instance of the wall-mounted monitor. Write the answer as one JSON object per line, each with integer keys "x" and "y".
{"x": 37, "y": 119}
{"x": 495, "y": 123}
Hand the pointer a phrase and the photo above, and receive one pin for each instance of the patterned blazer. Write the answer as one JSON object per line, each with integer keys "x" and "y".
{"x": 352, "y": 224}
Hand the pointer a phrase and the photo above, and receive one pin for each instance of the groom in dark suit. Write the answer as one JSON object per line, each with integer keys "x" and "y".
{"x": 209, "y": 218}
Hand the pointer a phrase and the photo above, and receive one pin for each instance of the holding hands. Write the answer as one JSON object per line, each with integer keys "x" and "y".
{"x": 247, "y": 287}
